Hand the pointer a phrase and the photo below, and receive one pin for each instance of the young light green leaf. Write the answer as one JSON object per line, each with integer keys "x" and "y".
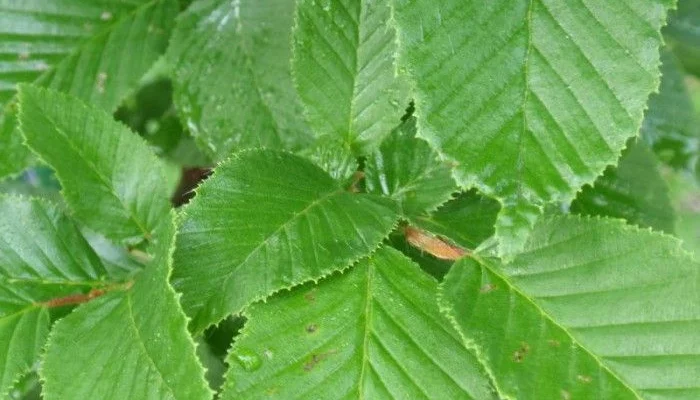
{"x": 267, "y": 221}
{"x": 593, "y": 308}
{"x": 42, "y": 257}
{"x": 406, "y": 169}
{"x": 233, "y": 84}
{"x": 373, "y": 332}
{"x": 79, "y": 47}
{"x": 110, "y": 178}
{"x": 633, "y": 191}
{"x": 531, "y": 99}
{"x": 138, "y": 338}
{"x": 467, "y": 220}
{"x": 344, "y": 70}
{"x": 671, "y": 125}
{"x": 683, "y": 34}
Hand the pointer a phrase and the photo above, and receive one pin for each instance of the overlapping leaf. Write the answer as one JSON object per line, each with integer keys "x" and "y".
{"x": 128, "y": 344}
{"x": 110, "y": 178}
{"x": 233, "y": 84}
{"x": 406, "y": 169}
{"x": 593, "y": 308}
{"x": 42, "y": 257}
{"x": 267, "y": 221}
{"x": 531, "y": 98}
{"x": 633, "y": 190}
{"x": 671, "y": 125}
{"x": 79, "y": 47}
{"x": 373, "y": 332}
{"x": 344, "y": 70}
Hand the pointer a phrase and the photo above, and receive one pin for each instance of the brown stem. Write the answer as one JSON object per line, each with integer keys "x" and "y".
{"x": 432, "y": 244}
{"x": 83, "y": 298}
{"x": 357, "y": 177}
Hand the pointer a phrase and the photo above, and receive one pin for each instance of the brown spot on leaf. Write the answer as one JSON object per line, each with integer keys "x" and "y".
{"x": 520, "y": 354}
{"x": 488, "y": 288}
{"x": 316, "y": 359}
{"x": 554, "y": 343}
{"x": 311, "y": 328}
{"x": 310, "y": 296}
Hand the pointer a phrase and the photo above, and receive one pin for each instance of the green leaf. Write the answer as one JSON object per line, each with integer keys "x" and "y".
{"x": 266, "y": 221}
{"x": 633, "y": 191}
{"x": 332, "y": 156}
{"x": 409, "y": 171}
{"x": 14, "y": 156}
{"x": 137, "y": 338}
{"x": 683, "y": 34}
{"x": 42, "y": 257}
{"x": 593, "y": 309}
{"x": 344, "y": 69}
{"x": 467, "y": 220}
{"x": 233, "y": 84}
{"x": 373, "y": 332}
{"x": 531, "y": 98}
{"x": 110, "y": 178}
{"x": 78, "y": 47}
{"x": 671, "y": 125}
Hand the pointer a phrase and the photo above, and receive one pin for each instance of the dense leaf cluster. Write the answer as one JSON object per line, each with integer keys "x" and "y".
{"x": 349, "y": 199}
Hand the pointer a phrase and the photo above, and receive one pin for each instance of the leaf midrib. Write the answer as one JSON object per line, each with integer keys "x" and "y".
{"x": 265, "y": 241}
{"x": 142, "y": 345}
{"x": 103, "y": 179}
{"x": 598, "y": 360}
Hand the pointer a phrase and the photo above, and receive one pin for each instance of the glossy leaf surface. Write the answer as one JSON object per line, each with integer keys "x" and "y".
{"x": 303, "y": 226}
{"x": 361, "y": 334}
{"x": 531, "y": 99}
{"x": 344, "y": 70}
{"x": 233, "y": 83}
{"x": 593, "y": 308}
{"x": 111, "y": 179}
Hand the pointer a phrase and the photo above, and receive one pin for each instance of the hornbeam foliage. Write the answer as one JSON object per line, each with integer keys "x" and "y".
{"x": 530, "y": 98}
{"x": 332, "y": 199}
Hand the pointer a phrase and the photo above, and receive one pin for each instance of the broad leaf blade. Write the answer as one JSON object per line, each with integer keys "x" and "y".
{"x": 233, "y": 84}
{"x": 633, "y": 190}
{"x": 531, "y": 99}
{"x": 372, "y": 332}
{"x": 127, "y": 344}
{"x": 406, "y": 169}
{"x": 267, "y": 221}
{"x": 592, "y": 309}
{"x": 344, "y": 69}
{"x": 110, "y": 178}
{"x": 42, "y": 257}
{"x": 78, "y": 47}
